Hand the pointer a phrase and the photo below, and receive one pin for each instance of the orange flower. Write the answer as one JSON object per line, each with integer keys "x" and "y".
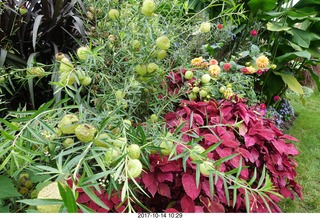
{"x": 213, "y": 62}
{"x": 251, "y": 70}
{"x": 262, "y": 61}
{"x": 197, "y": 61}
{"x": 214, "y": 70}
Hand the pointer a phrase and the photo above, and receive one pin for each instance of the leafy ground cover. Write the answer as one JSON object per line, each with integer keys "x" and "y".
{"x": 306, "y": 129}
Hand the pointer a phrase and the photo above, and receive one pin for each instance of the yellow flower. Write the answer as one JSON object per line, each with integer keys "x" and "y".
{"x": 262, "y": 61}
{"x": 214, "y": 70}
{"x": 197, "y": 61}
{"x": 251, "y": 70}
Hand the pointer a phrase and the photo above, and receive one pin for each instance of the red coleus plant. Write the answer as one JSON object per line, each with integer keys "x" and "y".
{"x": 242, "y": 132}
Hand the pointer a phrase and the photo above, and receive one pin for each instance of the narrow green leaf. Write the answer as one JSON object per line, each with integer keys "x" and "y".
{"x": 211, "y": 185}
{"x": 197, "y": 175}
{"x": 234, "y": 197}
{"x": 36, "y": 202}
{"x": 85, "y": 209}
{"x": 94, "y": 198}
{"x": 263, "y": 174}
{"x": 254, "y": 177}
{"x": 68, "y": 198}
{"x": 124, "y": 191}
{"x": 36, "y": 26}
{"x": 3, "y": 56}
{"x": 226, "y": 191}
{"x": 7, "y": 135}
{"x": 247, "y": 201}
{"x": 224, "y": 159}
{"x": 211, "y": 148}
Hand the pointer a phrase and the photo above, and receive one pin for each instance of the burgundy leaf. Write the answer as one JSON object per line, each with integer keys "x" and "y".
{"x": 171, "y": 167}
{"x": 198, "y": 119}
{"x": 190, "y": 187}
{"x": 164, "y": 190}
{"x": 148, "y": 179}
{"x": 210, "y": 139}
{"x": 268, "y": 134}
{"x": 280, "y": 145}
{"x": 167, "y": 176}
{"x": 212, "y": 206}
{"x": 249, "y": 141}
{"x": 254, "y": 155}
{"x": 289, "y": 137}
{"x": 171, "y": 210}
{"x": 83, "y": 198}
{"x": 206, "y": 187}
{"x": 223, "y": 152}
{"x": 198, "y": 209}
{"x": 187, "y": 204}
{"x": 245, "y": 153}
{"x": 243, "y": 129}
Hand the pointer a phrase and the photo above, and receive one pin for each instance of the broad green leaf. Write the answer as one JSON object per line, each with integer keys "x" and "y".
{"x": 302, "y": 37}
{"x": 292, "y": 55}
{"x": 4, "y": 209}
{"x": 263, "y": 5}
{"x": 276, "y": 28}
{"x": 301, "y": 13}
{"x": 292, "y": 82}
{"x": 7, "y": 188}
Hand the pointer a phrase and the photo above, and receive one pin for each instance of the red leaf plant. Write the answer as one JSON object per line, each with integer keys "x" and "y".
{"x": 241, "y": 131}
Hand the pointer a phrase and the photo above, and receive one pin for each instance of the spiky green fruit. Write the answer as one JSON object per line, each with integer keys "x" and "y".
{"x": 111, "y": 155}
{"x": 195, "y": 90}
{"x": 205, "y": 27}
{"x": 152, "y": 67}
{"x": 36, "y": 71}
{"x": 205, "y": 78}
{"x": 68, "y": 124}
{"x": 206, "y": 167}
{"x": 167, "y": 146}
{"x": 188, "y": 75}
{"x": 67, "y": 142}
{"x": 134, "y": 151}
{"x": 59, "y": 56}
{"x": 193, "y": 96}
{"x": 141, "y": 69}
{"x": 136, "y": 45}
{"x": 161, "y": 54}
{"x": 196, "y": 151}
{"x": 65, "y": 65}
{"x": 83, "y": 52}
{"x": 163, "y": 42}
{"x": 134, "y": 168}
{"x": 113, "y": 14}
{"x": 85, "y": 132}
{"x": 119, "y": 142}
{"x": 101, "y": 140}
{"x": 148, "y": 7}
{"x": 67, "y": 78}
{"x": 50, "y": 191}
{"x": 86, "y": 81}
{"x": 203, "y": 93}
